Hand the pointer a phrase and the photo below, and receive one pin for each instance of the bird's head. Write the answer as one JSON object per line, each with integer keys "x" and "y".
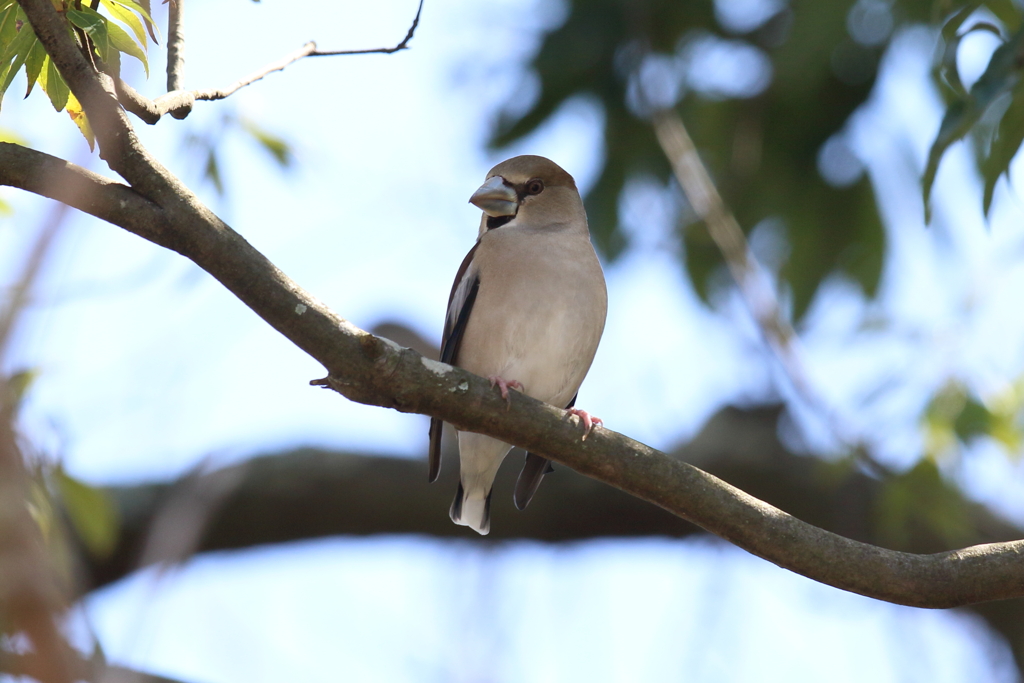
{"x": 531, "y": 190}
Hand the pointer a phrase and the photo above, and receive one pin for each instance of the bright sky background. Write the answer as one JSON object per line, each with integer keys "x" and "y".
{"x": 149, "y": 366}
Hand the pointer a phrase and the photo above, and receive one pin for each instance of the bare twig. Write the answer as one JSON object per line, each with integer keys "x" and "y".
{"x": 180, "y": 102}
{"x": 751, "y": 279}
{"x": 404, "y": 44}
{"x": 221, "y": 93}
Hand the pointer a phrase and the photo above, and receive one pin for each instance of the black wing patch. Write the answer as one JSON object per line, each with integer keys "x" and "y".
{"x": 533, "y": 472}
{"x": 454, "y": 329}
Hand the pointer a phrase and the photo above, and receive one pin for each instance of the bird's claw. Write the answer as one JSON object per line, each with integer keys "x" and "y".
{"x": 504, "y": 386}
{"x": 587, "y": 419}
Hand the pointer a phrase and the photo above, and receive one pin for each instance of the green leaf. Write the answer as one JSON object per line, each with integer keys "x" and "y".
{"x": 974, "y": 420}
{"x": 18, "y": 385}
{"x": 95, "y": 25}
{"x": 128, "y": 17}
{"x": 17, "y": 52}
{"x": 9, "y": 17}
{"x": 56, "y": 89}
{"x": 212, "y": 171}
{"x": 142, "y": 9}
{"x": 1008, "y": 139}
{"x": 1006, "y": 11}
{"x": 91, "y": 512}
{"x": 278, "y": 148}
{"x": 956, "y": 20}
{"x": 113, "y": 63}
{"x": 120, "y": 39}
{"x": 81, "y": 120}
{"x": 33, "y": 65}
{"x": 918, "y": 503}
{"x": 948, "y": 66}
{"x": 1001, "y": 75}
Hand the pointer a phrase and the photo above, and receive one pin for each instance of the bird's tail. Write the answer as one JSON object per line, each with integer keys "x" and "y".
{"x": 472, "y": 510}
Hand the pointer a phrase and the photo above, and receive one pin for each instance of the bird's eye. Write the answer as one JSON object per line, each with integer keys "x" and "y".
{"x": 535, "y": 186}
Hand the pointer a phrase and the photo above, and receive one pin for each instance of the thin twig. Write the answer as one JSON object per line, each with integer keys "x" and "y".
{"x": 179, "y": 102}
{"x": 380, "y": 50}
{"x": 221, "y": 93}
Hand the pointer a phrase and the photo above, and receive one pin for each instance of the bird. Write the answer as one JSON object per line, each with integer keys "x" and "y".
{"x": 527, "y": 311}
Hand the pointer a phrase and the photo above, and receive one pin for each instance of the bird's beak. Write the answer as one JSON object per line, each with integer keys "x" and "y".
{"x": 496, "y": 198}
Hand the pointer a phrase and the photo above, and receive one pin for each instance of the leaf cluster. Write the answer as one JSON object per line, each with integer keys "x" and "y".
{"x": 993, "y": 108}
{"x": 100, "y": 38}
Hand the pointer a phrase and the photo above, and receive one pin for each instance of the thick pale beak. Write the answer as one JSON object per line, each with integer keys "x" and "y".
{"x": 496, "y": 198}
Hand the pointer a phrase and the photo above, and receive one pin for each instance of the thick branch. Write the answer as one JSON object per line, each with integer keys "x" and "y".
{"x": 309, "y": 493}
{"x": 179, "y": 102}
{"x": 84, "y": 190}
{"x": 378, "y": 372}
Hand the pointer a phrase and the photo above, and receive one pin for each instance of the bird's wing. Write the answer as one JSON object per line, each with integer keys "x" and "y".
{"x": 460, "y": 304}
{"x": 533, "y": 472}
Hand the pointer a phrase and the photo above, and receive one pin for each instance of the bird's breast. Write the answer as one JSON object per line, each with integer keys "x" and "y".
{"x": 539, "y": 313}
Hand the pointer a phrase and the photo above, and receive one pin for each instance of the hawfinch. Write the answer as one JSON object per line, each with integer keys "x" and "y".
{"x": 526, "y": 311}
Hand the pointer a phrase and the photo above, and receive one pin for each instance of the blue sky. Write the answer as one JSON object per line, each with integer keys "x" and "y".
{"x": 149, "y": 367}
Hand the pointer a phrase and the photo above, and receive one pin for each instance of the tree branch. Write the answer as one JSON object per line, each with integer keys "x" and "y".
{"x": 753, "y": 282}
{"x": 375, "y": 371}
{"x": 180, "y": 102}
{"x": 175, "y": 46}
{"x": 84, "y": 190}
{"x": 404, "y": 44}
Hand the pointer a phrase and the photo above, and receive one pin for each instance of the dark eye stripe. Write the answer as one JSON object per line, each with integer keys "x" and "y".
{"x": 533, "y": 186}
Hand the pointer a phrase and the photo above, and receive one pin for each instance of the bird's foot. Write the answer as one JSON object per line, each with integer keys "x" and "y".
{"x": 587, "y": 419}
{"x": 505, "y": 386}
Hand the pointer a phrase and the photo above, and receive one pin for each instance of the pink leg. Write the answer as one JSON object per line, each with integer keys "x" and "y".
{"x": 587, "y": 419}
{"x": 505, "y": 386}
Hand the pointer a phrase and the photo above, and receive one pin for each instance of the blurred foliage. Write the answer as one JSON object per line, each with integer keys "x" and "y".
{"x": 955, "y": 417}
{"x": 89, "y": 510}
{"x": 918, "y": 502}
{"x": 205, "y": 144}
{"x": 766, "y": 89}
